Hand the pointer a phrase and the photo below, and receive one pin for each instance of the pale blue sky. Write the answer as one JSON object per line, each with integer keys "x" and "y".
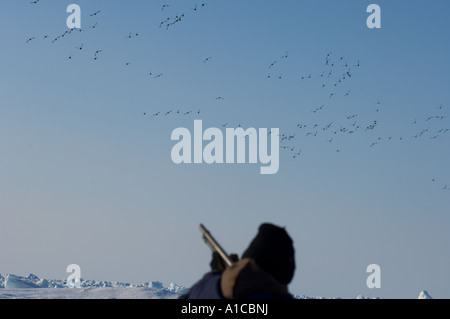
{"x": 86, "y": 178}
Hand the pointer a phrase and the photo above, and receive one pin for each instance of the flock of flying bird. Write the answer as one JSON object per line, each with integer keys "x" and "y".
{"x": 334, "y": 77}
{"x": 332, "y": 80}
{"x": 167, "y": 23}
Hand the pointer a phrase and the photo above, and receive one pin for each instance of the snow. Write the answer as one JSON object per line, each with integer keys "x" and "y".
{"x": 33, "y": 287}
{"x": 86, "y": 293}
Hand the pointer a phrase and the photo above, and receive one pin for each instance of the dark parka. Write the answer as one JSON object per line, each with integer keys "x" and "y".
{"x": 266, "y": 268}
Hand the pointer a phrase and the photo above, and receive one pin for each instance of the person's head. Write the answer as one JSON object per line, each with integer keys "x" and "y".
{"x": 273, "y": 251}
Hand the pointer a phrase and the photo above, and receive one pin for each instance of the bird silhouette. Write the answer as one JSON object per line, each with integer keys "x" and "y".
{"x": 317, "y": 110}
{"x": 96, "y": 54}
{"x": 163, "y": 22}
{"x": 129, "y": 36}
{"x": 56, "y": 39}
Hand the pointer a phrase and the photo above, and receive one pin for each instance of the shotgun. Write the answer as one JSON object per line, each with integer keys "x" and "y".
{"x": 215, "y": 246}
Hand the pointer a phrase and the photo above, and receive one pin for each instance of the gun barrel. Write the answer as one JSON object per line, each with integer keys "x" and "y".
{"x": 215, "y": 246}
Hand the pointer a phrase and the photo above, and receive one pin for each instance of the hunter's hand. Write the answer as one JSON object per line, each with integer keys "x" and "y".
{"x": 217, "y": 263}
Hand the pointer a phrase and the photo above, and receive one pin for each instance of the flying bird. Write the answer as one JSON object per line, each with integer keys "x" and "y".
{"x": 317, "y": 110}
{"x": 162, "y": 22}
{"x": 96, "y": 54}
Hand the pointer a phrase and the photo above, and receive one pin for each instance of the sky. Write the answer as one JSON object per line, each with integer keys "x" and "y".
{"x": 86, "y": 174}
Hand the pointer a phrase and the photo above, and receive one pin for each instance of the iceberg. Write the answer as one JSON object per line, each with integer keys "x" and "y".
{"x": 424, "y": 295}
{"x": 18, "y": 282}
